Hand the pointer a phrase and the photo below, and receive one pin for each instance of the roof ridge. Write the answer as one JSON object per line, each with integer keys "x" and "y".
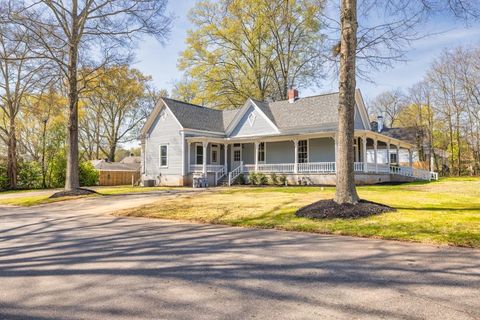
{"x": 302, "y": 98}
{"x": 190, "y": 104}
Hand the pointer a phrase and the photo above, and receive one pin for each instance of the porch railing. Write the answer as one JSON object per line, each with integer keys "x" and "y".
{"x": 232, "y": 175}
{"x": 329, "y": 168}
{"x": 210, "y": 167}
{"x": 322, "y": 167}
{"x": 220, "y": 174}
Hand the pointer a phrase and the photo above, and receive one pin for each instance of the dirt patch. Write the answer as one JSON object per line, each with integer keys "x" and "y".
{"x": 72, "y": 193}
{"x": 326, "y": 209}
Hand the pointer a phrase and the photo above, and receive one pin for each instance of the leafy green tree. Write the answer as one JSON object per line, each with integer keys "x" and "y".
{"x": 250, "y": 48}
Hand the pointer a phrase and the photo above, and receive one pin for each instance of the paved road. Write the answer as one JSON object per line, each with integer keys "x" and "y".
{"x": 72, "y": 260}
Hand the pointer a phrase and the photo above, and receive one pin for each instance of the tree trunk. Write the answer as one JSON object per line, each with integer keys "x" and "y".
{"x": 345, "y": 191}
{"x": 44, "y": 140}
{"x": 12, "y": 156}
{"x": 111, "y": 152}
{"x": 72, "y": 175}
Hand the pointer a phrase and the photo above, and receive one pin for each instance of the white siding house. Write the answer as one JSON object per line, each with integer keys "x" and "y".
{"x": 295, "y": 137}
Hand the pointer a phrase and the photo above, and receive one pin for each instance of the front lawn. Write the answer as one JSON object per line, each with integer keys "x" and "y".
{"x": 443, "y": 212}
{"x": 31, "y": 197}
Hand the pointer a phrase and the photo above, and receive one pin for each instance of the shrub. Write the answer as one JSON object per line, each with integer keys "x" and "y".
{"x": 29, "y": 175}
{"x": 88, "y": 175}
{"x": 252, "y": 178}
{"x": 262, "y": 179}
{"x": 3, "y": 176}
{"x": 274, "y": 178}
{"x": 282, "y": 180}
{"x": 240, "y": 179}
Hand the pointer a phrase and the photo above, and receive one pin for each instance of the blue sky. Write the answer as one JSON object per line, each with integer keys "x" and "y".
{"x": 161, "y": 61}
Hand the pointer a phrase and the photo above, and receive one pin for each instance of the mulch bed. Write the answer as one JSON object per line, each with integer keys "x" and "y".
{"x": 326, "y": 209}
{"x": 72, "y": 193}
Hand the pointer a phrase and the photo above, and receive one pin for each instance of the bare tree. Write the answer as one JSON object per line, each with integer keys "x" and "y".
{"x": 389, "y": 104}
{"x": 73, "y": 32}
{"x": 21, "y": 74}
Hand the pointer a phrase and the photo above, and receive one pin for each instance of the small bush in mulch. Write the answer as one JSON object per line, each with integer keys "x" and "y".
{"x": 72, "y": 193}
{"x": 326, "y": 209}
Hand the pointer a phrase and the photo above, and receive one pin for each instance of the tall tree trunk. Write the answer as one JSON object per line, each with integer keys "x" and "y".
{"x": 72, "y": 175}
{"x": 12, "y": 155}
{"x": 111, "y": 152}
{"x": 346, "y": 192}
{"x": 44, "y": 140}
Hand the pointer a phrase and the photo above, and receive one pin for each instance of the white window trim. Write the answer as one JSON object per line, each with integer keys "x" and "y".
{"x": 264, "y": 151}
{"x": 216, "y": 148}
{"x": 308, "y": 150}
{"x": 251, "y": 118}
{"x": 160, "y": 155}
{"x": 198, "y": 144}
{"x": 232, "y": 149}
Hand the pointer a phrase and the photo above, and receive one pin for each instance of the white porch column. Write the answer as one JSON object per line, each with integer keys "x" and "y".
{"x": 364, "y": 147}
{"x": 375, "y": 147}
{"x": 183, "y": 154}
{"x": 335, "y": 141}
{"x": 256, "y": 155}
{"x": 388, "y": 154}
{"x": 295, "y": 166}
{"x": 410, "y": 158}
{"x": 189, "y": 145}
{"x": 205, "y": 145}
{"x": 398, "y": 154}
{"x": 225, "y": 156}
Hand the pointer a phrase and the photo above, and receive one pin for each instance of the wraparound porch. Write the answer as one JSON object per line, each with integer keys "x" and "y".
{"x": 298, "y": 155}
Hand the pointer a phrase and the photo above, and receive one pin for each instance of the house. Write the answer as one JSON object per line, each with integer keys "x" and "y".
{"x": 295, "y": 138}
{"x": 125, "y": 172}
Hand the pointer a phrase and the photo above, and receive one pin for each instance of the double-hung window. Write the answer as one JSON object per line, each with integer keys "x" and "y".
{"x": 163, "y": 155}
{"x": 261, "y": 152}
{"x": 199, "y": 154}
{"x": 302, "y": 151}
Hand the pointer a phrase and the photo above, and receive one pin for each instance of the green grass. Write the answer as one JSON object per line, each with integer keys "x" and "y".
{"x": 444, "y": 212}
{"x": 27, "y": 200}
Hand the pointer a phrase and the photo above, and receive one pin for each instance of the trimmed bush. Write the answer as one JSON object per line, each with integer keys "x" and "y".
{"x": 252, "y": 178}
{"x": 274, "y": 178}
{"x": 88, "y": 175}
{"x": 262, "y": 179}
{"x": 282, "y": 180}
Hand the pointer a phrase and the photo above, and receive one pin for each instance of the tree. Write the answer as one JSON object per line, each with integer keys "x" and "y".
{"x": 120, "y": 100}
{"x": 378, "y": 44}
{"x": 20, "y": 74}
{"x": 74, "y": 32}
{"x": 389, "y": 104}
{"x": 252, "y": 48}
{"x": 345, "y": 191}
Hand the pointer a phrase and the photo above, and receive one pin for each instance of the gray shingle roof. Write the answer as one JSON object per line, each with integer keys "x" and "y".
{"x": 196, "y": 117}
{"x": 103, "y": 165}
{"x": 315, "y": 111}
{"x": 408, "y": 134}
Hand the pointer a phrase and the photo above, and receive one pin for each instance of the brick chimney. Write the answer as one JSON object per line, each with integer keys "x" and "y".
{"x": 292, "y": 94}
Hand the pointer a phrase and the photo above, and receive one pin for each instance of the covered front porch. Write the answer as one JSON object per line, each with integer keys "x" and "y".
{"x": 309, "y": 154}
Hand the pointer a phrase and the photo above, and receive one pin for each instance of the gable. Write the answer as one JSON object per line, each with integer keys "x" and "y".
{"x": 163, "y": 123}
{"x": 358, "y": 119}
{"x": 252, "y": 123}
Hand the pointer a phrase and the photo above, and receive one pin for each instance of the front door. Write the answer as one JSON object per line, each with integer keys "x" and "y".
{"x": 236, "y": 155}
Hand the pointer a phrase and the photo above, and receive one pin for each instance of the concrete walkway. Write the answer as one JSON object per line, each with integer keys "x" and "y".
{"x": 72, "y": 260}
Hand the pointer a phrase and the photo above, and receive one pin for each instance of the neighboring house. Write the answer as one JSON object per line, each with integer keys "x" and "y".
{"x": 125, "y": 172}
{"x": 295, "y": 137}
{"x": 432, "y": 157}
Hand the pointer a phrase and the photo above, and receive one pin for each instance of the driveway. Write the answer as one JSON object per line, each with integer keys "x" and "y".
{"x": 73, "y": 260}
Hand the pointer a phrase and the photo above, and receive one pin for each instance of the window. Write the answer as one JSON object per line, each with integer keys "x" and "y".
{"x": 199, "y": 154}
{"x": 163, "y": 155}
{"x": 393, "y": 158}
{"x": 251, "y": 118}
{"x": 214, "y": 153}
{"x": 302, "y": 151}
{"x": 261, "y": 152}
{"x": 236, "y": 155}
